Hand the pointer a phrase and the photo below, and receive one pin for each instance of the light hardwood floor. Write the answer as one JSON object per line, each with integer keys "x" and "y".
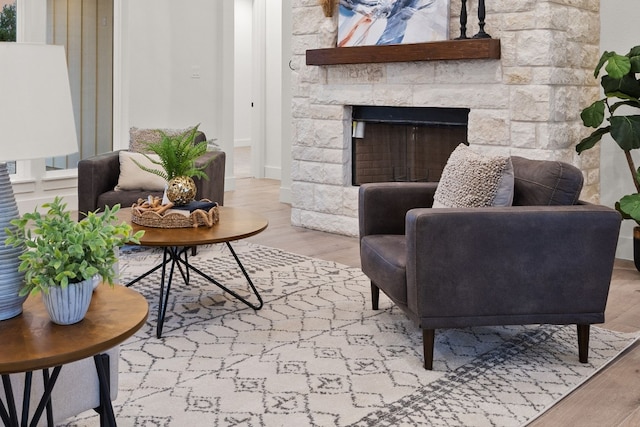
{"x": 611, "y": 398}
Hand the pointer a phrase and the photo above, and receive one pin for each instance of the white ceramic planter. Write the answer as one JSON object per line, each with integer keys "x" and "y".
{"x": 69, "y": 305}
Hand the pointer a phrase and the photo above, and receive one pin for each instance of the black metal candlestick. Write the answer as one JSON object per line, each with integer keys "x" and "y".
{"x": 463, "y": 21}
{"x": 481, "y": 15}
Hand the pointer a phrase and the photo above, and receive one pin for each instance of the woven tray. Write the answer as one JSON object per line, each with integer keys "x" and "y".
{"x": 143, "y": 214}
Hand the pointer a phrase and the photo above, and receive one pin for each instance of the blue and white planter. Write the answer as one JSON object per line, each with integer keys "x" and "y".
{"x": 69, "y": 305}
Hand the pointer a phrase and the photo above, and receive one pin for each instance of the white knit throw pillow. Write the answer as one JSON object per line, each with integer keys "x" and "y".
{"x": 473, "y": 180}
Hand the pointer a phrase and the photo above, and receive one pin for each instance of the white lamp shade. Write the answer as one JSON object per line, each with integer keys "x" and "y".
{"x": 36, "y": 113}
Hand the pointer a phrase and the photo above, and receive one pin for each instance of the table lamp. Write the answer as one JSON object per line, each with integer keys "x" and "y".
{"x": 36, "y": 121}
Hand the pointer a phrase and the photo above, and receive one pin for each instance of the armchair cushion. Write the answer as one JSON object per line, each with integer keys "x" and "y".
{"x": 472, "y": 180}
{"x": 386, "y": 259}
{"x": 545, "y": 183}
{"x": 132, "y": 177}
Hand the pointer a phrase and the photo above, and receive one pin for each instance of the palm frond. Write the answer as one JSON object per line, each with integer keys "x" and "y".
{"x": 178, "y": 155}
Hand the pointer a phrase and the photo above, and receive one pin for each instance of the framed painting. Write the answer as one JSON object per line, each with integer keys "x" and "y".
{"x": 382, "y": 22}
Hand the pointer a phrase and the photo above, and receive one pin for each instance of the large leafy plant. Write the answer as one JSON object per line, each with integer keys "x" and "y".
{"x": 59, "y": 250}
{"x": 622, "y": 96}
{"x": 177, "y": 154}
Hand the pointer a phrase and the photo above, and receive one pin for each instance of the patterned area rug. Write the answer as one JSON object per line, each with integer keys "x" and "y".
{"x": 317, "y": 355}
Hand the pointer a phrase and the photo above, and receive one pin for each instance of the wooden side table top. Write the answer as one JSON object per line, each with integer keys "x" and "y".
{"x": 30, "y": 341}
{"x": 234, "y": 224}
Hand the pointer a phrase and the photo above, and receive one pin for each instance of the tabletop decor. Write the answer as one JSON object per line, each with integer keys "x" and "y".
{"x": 63, "y": 256}
{"x": 177, "y": 164}
{"x": 152, "y": 213}
{"x": 36, "y": 121}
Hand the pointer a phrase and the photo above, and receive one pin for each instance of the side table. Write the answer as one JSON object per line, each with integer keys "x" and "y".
{"x": 31, "y": 342}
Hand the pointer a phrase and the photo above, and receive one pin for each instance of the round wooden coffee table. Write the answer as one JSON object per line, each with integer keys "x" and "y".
{"x": 234, "y": 224}
{"x": 32, "y": 342}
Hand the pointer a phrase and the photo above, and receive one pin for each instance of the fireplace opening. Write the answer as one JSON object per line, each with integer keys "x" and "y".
{"x": 400, "y": 144}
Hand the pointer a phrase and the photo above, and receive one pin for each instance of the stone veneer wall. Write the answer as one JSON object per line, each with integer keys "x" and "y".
{"x": 527, "y": 103}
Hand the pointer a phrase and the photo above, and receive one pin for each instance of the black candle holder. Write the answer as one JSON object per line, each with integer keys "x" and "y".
{"x": 463, "y": 21}
{"x": 481, "y": 15}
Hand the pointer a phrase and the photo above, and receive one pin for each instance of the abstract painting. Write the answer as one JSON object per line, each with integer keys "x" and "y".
{"x": 382, "y": 22}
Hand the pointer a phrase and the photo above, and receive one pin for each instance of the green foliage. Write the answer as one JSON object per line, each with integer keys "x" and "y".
{"x": 59, "y": 250}
{"x": 178, "y": 155}
{"x": 629, "y": 206}
{"x": 8, "y": 23}
{"x": 621, "y": 89}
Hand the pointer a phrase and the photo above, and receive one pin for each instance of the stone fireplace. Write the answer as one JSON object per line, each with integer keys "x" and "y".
{"x": 526, "y": 102}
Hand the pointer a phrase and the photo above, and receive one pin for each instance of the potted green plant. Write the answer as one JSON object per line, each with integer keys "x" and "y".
{"x": 63, "y": 258}
{"x": 177, "y": 163}
{"x": 620, "y": 109}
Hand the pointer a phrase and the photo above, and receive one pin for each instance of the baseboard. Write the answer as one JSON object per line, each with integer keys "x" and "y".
{"x": 285, "y": 195}
{"x": 272, "y": 172}
{"x": 242, "y": 142}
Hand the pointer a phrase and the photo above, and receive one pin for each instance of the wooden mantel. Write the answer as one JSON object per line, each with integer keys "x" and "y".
{"x": 432, "y": 51}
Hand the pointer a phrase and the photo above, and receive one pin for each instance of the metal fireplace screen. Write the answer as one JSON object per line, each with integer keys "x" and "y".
{"x": 392, "y": 144}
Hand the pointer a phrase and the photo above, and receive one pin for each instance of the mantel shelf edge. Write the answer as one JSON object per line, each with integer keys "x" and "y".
{"x": 432, "y": 51}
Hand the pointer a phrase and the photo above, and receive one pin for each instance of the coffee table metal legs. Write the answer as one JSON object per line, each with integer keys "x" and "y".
{"x": 224, "y": 288}
{"x": 177, "y": 257}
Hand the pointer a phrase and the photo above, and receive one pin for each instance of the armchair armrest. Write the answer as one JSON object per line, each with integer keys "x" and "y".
{"x": 96, "y": 175}
{"x": 520, "y": 264}
{"x": 213, "y": 188}
{"x": 382, "y": 206}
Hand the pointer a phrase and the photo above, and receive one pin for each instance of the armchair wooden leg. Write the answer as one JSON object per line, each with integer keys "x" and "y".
{"x": 583, "y": 343}
{"x": 428, "y": 340}
{"x": 375, "y": 296}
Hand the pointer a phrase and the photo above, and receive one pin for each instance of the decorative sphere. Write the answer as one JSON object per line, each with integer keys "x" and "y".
{"x": 181, "y": 190}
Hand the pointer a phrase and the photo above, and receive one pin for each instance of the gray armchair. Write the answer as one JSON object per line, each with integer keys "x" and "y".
{"x": 98, "y": 177}
{"x": 547, "y": 259}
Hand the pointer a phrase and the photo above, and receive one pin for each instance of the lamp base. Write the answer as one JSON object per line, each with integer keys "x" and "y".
{"x": 10, "y": 279}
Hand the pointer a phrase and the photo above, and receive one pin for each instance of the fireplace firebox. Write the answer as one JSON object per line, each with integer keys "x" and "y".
{"x": 394, "y": 144}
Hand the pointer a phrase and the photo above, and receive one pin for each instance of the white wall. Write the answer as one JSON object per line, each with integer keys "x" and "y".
{"x": 174, "y": 64}
{"x": 619, "y": 32}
